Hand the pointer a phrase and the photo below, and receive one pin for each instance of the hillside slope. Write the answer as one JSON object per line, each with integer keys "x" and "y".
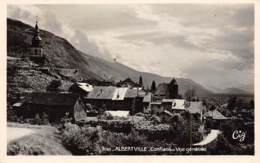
{"x": 234, "y": 91}
{"x": 60, "y": 53}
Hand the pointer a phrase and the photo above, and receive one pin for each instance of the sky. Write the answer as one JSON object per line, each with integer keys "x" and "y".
{"x": 213, "y": 44}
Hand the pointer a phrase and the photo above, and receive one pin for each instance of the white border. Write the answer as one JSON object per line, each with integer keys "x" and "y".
{"x": 119, "y": 159}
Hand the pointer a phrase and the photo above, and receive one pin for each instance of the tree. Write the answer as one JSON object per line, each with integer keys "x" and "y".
{"x": 232, "y": 103}
{"x": 140, "y": 81}
{"x": 173, "y": 89}
{"x": 252, "y": 104}
{"x": 54, "y": 86}
{"x": 190, "y": 93}
{"x": 212, "y": 107}
{"x": 102, "y": 109}
{"x": 37, "y": 119}
{"x": 153, "y": 86}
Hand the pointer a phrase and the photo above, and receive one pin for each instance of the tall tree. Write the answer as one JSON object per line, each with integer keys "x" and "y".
{"x": 153, "y": 86}
{"x": 252, "y": 104}
{"x": 173, "y": 89}
{"x": 232, "y": 102}
{"x": 140, "y": 81}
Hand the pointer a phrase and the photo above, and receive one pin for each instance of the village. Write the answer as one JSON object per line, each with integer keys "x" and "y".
{"x": 88, "y": 103}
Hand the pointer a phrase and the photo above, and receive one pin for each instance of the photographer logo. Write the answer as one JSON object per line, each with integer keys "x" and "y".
{"x": 239, "y": 135}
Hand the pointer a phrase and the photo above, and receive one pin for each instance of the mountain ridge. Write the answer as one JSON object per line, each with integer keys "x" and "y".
{"x": 234, "y": 90}
{"x": 61, "y": 53}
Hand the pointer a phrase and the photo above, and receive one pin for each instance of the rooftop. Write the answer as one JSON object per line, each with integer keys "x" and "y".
{"x": 215, "y": 114}
{"x": 119, "y": 93}
{"x": 102, "y": 92}
{"x": 85, "y": 86}
{"x": 194, "y": 107}
{"x": 178, "y": 104}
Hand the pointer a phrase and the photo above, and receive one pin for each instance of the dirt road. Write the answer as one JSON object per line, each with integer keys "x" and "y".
{"x": 14, "y": 133}
{"x": 209, "y": 138}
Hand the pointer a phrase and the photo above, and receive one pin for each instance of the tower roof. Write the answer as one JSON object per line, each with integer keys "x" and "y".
{"x": 36, "y": 26}
{"x": 36, "y": 40}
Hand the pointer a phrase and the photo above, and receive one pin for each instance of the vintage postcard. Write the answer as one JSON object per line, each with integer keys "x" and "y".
{"x": 130, "y": 79}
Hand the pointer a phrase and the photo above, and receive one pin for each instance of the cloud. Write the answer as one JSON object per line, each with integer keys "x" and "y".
{"x": 210, "y": 43}
{"x": 49, "y": 20}
{"x": 82, "y": 41}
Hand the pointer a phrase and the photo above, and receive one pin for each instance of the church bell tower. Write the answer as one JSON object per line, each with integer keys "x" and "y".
{"x": 36, "y": 54}
{"x": 36, "y": 46}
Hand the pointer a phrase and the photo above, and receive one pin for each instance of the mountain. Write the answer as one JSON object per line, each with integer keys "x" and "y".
{"x": 234, "y": 91}
{"x": 60, "y": 53}
{"x": 247, "y": 87}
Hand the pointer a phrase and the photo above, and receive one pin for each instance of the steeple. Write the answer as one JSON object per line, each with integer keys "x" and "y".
{"x": 36, "y": 46}
{"x": 36, "y": 40}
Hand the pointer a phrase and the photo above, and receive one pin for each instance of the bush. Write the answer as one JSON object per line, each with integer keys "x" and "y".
{"x": 16, "y": 149}
{"x": 90, "y": 140}
{"x": 106, "y": 116}
{"x": 134, "y": 131}
{"x": 11, "y": 115}
{"x": 45, "y": 119}
{"x": 81, "y": 141}
{"x": 54, "y": 86}
{"x": 37, "y": 120}
{"x": 134, "y": 139}
{"x": 155, "y": 119}
{"x": 66, "y": 119}
{"x": 140, "y": 115}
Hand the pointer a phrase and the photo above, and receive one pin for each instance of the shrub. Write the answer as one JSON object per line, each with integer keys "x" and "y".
{"x": 54, "y": 86}
{"x": 134, "y": 139}
{"x": 90, "y": 140}
{"x": 155, "y": 119}
{"x": 89, "y": 106}
{"x": 11, "y": 115}
{"x": 37, "y": 120}
{"x": 13, "y": 149}
{"x": 140, "y": 114}
{"x": 45, "y": 119}
{"x": 81, "y": 140}
{"x": 116, "y": 125}
{"x": 66, "y": 119}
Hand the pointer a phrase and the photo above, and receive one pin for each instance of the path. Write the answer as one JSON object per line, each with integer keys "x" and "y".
{"x": 209, "y": 138}
{"x": 16, "y": 133}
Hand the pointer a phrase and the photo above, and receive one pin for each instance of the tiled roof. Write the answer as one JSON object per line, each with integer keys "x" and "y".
{"x": 178, "y": 104}
{"x": 119, "y": 94}
{"x": 194, "y": 107}
{"x": 128, "y": 82}
{"x": 85, "y": 86}
{"x": 132, "y": 93}
{"x": 114, "y": 93}
{"x": 102, "y": 92}
{"x": 215, "y": 114}
{"x": 147, "y": 97}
